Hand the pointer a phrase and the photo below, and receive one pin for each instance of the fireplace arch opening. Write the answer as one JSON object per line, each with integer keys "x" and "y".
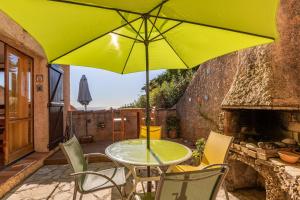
{"x": 244, "y": 178}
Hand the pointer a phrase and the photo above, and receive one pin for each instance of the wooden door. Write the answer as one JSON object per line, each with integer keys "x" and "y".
{"x": 56, "y": 106}
{"x": 18, "y": 137}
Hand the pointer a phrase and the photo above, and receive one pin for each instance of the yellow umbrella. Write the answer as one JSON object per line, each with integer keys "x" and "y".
{"x": 127, "y": 36}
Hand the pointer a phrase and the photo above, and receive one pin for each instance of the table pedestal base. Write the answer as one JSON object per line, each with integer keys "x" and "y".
{"x": 138, "y": 179}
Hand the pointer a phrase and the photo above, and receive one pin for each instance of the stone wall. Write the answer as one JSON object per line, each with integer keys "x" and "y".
{"x": 291, "y": 124}
{"x": 200, "y": 108}
{"x": 161, "y": 116}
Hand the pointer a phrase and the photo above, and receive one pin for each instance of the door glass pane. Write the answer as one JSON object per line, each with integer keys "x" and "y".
{"x": 19, "y": 77}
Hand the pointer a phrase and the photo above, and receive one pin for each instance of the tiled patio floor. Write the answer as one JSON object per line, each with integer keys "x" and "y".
{"x": 54, "y": 183}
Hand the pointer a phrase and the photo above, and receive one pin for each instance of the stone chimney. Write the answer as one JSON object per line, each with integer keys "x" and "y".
{"x": 268, "y": 76}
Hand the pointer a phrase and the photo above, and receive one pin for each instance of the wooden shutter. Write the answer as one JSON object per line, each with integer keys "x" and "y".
{"x": 56, "y": 106}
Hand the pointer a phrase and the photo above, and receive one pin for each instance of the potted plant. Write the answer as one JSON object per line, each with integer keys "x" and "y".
{"x": 198, "y": 152}
{"x": 172, "y": 123}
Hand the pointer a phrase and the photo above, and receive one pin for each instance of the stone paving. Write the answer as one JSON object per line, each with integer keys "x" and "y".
{"x": 52, "y": 182}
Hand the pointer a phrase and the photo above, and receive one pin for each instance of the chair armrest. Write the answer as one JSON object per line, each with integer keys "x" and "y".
{"x": 94, "y": 154}
{"x": 87, "y": 156}
{"x": 98, "y": 174}
{"x": 225, "y": 166}
{"x": 216, "y": 165}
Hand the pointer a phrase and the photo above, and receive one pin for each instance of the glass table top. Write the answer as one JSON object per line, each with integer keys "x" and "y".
{"x": 135, "y": 152}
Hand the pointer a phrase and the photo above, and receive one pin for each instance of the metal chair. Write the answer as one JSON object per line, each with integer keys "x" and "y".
{"x": 194, "y": 185}
{"x": 91, "y": 181}
{"x": 215, "y": 151}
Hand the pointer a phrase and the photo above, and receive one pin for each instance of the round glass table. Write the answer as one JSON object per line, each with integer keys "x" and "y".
{"x": 134, "y": 155}
{"x": 161, "y": 152}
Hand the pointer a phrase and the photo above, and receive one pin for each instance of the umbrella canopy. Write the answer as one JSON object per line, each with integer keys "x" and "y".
{"x": 84, "y": 95}
{"x": 127, "y": 36}
{"x": 110, "y": 34}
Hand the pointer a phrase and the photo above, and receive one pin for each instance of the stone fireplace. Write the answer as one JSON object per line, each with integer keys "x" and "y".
{"x": 250, "y": 168}
{"x": 278, "y": 179}
{"x": 262, "y": 125}
{"x": 261, "y": 108}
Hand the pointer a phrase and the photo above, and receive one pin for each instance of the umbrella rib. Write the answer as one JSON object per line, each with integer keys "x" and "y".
{"x": 122, "y": 35}
{"x": 159, "y": 5}
{"x": 107, "y": 8}
{"x": 155, "y": 19}
{"x": 74, "y": 49}
{"x": 131, "y": 48}
{"x": 212, "y": 26}
{"x": 95, "y": 6}
{"x": 157, "y": 39}
{"x": 153, "y": 39}
{"x": 170, "y": 45}
{"x": 129, "y": 23}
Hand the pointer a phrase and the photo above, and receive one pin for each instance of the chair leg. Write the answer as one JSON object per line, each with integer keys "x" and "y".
{"x": 123, "y": 189}
{"x": 75, "y": 193}
{"x": 225, "y": 190}
{"x": 156, "y": 185}
{"x": 144, "y": 191}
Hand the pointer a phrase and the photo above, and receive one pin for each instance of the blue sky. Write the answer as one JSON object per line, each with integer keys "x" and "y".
{"x": 108, "y": 89}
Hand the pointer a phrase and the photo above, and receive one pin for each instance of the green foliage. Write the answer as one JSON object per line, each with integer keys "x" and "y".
{"x": 200, "y": 145}
{"x": 141, "y": 102}
{"x": 166, "y": 89}
{"x": 196, "y": 154}
{"x": 172, "y": 123}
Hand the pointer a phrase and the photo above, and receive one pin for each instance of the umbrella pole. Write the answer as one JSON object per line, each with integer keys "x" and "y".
{"x": 147, "y": 94}
{"x": 86, "y": 122}
{"x": 146, "y": 42}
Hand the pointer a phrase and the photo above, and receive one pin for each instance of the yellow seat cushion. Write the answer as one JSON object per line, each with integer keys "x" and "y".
{"x": 155, "y": 132}
{"x": 186, "y": 168}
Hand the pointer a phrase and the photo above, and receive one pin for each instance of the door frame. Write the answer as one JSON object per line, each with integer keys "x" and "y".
{"x": 30, "y": 147}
